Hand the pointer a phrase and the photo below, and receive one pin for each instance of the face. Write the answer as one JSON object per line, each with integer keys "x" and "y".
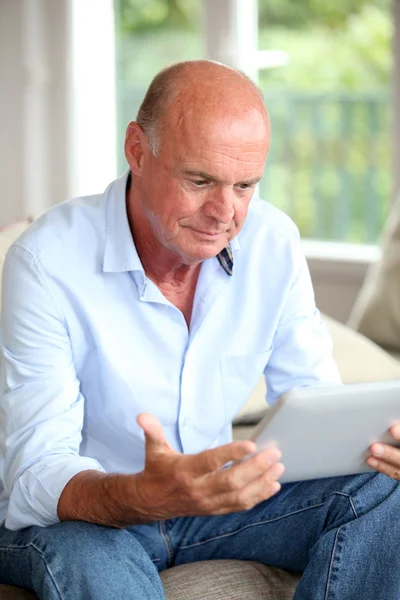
{"x": 195, "y": 194}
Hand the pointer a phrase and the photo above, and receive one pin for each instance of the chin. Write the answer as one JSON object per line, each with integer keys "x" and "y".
{"x": 204, "y": 252}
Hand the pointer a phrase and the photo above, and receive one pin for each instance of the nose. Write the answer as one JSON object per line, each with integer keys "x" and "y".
{"x": 220, "y": 205}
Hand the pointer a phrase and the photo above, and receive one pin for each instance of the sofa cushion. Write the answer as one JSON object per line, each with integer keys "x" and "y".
{"x": 228, "y": 580}
{"x": 9, "y": 592}
{"x": 211, "y": 580}
{"x": 358, "y": 360}
{"x": 376, "y": 312}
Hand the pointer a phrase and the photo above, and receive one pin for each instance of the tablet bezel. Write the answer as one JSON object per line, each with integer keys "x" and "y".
{"x": 338, "y": 423}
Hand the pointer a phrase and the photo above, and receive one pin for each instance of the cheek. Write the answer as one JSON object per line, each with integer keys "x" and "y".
{"x": 179, "y": 208}
{"x": 184, "y": 204}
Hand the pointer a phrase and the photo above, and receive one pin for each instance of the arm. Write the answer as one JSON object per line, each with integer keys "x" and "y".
{"x": 173, "y": 484}
{"x": 42, "y": 408}
{"x": 302, "y": 354}
{"x": 42, "y": 418}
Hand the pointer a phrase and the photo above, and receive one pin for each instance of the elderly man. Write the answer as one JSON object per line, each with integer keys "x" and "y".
{"x": 135, "y": 324}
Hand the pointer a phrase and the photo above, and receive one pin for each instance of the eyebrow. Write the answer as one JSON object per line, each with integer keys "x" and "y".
{"x": 208, "y": 177}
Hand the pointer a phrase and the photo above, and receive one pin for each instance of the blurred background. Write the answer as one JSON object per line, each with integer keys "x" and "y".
{"x": 73, "y": 73}
{"x": 325, "y": 68}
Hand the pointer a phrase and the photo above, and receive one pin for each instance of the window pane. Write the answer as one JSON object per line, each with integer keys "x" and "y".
{"x": 150, "y": 35}
{"x": 327, "y": 90}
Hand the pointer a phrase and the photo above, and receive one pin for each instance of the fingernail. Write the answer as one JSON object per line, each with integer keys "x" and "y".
{"x": 373, "y": 462}
{"x": 276, "y": 454}
{"x": 377, "y": 450}
{"x": 396, "y": 432}
{"x": 277, "y": 470}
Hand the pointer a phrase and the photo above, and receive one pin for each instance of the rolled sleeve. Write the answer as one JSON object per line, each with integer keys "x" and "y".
{"x": 41, "y": 406}
{"x": 302, "y": 347}
{"x": 36, "y": 491}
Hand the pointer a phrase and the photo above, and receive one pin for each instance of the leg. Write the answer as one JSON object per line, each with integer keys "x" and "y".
{"x": 78, "y": 561}
{"x": 341, "y": 533}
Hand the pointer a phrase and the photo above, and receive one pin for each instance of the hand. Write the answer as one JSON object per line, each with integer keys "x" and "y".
{"x": 174, "y": 484}
{"x": 385, "y": 458}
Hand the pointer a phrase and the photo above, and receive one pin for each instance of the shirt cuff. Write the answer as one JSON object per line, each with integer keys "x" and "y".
{"x": 36, "y": 492}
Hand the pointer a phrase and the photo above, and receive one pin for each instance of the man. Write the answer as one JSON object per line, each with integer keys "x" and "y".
{"x": 135, "y": 324}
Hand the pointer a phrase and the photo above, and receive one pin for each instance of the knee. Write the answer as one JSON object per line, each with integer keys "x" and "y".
{"x": 81, "y": 543}
{"x": 368, "y": 493}
{"x": 83, "y": 561}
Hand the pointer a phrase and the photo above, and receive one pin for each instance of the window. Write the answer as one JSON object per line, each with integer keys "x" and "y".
{"x": 326, "y": 80}
{"x": 151, "y": 35}
{"x": 325, "y": 68}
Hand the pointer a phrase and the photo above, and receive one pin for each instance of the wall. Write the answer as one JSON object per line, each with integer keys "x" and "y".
{"x": 337, "y": 281}
{"x": 56, "y": 85}
{"x": 396, "y": 98}
{"x": 35, "y": 87}
{"x": 11, "y": 88}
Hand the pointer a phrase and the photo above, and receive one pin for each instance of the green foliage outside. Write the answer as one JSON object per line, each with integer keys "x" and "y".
{"x": 330, "y": 160}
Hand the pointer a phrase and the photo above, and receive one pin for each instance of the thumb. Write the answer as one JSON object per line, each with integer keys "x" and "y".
{"x": 153, "y": 433}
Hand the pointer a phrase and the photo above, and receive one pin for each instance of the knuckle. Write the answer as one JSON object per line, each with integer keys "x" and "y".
{"x": 207, "y": 460}
{"x": 267, "y": 489}
{"x": 261, "y": 463}
{"x": 205, "y": 506}
{"x": 196, "y": 496}
{"x": 232, "y": 482}
{"x": 203, "y": 500}
{"x": 396, "y": 475}
{"x": 184, "y": 480}
{"x": 266, "y": 482}
{"x": 244, "y": 501}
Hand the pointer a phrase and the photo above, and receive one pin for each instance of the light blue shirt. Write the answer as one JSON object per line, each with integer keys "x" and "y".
{"x": 89, "y": 342}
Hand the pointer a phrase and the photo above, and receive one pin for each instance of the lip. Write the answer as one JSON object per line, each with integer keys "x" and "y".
{"x": 210, "y": 234}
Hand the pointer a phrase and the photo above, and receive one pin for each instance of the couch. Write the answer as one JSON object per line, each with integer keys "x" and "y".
{"x": 359, "y": 359}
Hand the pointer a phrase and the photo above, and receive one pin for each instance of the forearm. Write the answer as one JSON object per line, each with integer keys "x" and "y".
{"x": 105, "y": 499}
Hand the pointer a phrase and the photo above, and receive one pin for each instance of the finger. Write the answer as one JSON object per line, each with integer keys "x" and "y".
{"x": 386, "y": 453}
{"x": 153, "y": 432}
{"x": 212, "y": 460}
{"x": 395, "y": 431}
{"x": 241, "y": 474}
{"x": 262, "y": 488}
{"x": 389, "y": 469}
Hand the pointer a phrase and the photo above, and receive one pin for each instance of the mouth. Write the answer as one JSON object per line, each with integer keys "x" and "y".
{"x": 209, "y": 234}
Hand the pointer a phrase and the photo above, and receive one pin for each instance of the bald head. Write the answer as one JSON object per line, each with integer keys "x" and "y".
{"x": 197, "y": 90}
{"x": 196, "y": 154}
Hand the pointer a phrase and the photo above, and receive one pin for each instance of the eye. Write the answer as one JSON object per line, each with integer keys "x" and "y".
{"x": 199, "y": 182}
{"x": 244, "y": 186}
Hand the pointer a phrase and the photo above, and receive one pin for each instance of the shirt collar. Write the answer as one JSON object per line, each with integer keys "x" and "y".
{"x": 120, "y": 252}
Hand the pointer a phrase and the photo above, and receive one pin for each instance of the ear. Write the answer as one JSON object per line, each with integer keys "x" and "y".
{"x": 135, "y": 144}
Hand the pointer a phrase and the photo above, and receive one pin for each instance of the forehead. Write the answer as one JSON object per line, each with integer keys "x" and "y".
{"x": 239, "y": 142}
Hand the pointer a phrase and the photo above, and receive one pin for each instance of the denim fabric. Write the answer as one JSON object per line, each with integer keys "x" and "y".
{"x": 342, "y": 533}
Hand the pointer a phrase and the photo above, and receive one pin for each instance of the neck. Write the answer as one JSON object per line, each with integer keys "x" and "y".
{"x": 162, "y": 266}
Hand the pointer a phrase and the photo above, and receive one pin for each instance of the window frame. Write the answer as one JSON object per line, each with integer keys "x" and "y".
{"x": 231, "y": 36}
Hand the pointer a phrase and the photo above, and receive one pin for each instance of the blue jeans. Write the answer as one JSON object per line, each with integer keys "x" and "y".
{"x": 342, "y": 533}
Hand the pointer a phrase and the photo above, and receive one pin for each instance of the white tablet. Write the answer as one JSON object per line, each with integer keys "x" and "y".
{"x": 326, "y": 431}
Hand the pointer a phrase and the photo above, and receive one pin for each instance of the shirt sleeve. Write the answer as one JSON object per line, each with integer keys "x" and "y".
{"x": 302, "y": 346}
{"x": 41, "y": 405}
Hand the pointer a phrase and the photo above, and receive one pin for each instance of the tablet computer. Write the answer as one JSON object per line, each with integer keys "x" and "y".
{"x": 326, "y": 431}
